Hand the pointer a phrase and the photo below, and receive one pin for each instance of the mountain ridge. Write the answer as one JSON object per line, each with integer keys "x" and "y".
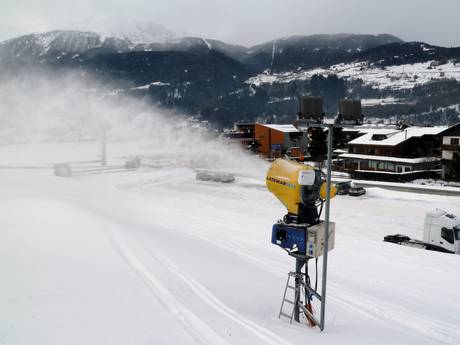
{"x": 225, "y": 83}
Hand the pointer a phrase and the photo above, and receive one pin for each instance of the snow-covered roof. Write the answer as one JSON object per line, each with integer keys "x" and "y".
{"x": 282, "y": 128}
{"x": 379, "y": 129}
{"x": 436, "y": 213}
{"x": 396, "y": 137}
{"x": 390, "y": 159}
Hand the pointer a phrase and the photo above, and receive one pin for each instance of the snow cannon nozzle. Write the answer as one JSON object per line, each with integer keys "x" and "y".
{"x": 300, "y": 188}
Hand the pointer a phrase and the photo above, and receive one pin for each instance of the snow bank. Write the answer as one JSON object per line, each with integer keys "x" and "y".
{"x": 154, "y": 256}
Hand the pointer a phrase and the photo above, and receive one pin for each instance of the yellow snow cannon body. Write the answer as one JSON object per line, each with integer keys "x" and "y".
{"x": 299, "y": 187}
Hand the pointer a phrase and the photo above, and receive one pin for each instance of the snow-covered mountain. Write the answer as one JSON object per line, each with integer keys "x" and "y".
{"x": 394, "y": 77}
{"x": 310, "y": 51}
{"x": 53, "y": 45}
{"x": 33, "y": 46}
{"x": 226, "y": 83}
{"x": 133, "y": 31}
{"x": 113, "y": 36}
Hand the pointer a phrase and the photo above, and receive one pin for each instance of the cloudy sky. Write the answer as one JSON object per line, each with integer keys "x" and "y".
{"x": 245, "y": 22}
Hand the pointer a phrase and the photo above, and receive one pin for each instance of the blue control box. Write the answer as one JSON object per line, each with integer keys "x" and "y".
{"x": 290, "y": 237}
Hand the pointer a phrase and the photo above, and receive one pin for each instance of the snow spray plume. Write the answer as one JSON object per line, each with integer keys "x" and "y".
{"x": 42, "y": 107}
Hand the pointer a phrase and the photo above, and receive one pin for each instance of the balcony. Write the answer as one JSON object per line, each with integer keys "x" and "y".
{"x": 450, "y": 147}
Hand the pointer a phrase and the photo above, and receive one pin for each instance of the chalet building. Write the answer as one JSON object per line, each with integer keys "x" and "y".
{"x": 276, "y": 140}
{"x": 269, "y": 140}
{"x": 243, "y": 133}
{"x": 395, "y": 154}
{"x": 348, "y": 134}
{"x": 451, "y": 153}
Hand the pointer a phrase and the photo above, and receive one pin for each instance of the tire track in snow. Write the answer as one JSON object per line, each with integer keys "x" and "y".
{"x": 376, "y": 309}
{"x": 230, "y": 244}
{"x": 198, "y": 329}
{"x": 206, "y": 296}
{"x": 437, "y": 330}
{"x": 277, "y": 269}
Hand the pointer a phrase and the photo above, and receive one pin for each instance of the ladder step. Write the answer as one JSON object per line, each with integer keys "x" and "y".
{"x": 289, "y": 301}
{"x": 291, "y": 287}
{"x": 285, "y": 315}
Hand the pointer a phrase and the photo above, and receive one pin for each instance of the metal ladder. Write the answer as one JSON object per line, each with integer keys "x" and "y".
{"x": 296, "y": 295}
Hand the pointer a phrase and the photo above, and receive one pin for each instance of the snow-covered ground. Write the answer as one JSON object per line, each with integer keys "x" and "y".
{"x": 154, "y": 256}
{"x": 391, "y": 77}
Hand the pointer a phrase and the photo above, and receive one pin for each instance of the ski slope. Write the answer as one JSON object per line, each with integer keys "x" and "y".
{"x": 154, "y": 256}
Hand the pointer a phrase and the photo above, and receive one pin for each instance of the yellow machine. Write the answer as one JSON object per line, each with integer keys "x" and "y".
{"x": 299, "y": 187}
{"x": 301, "y": 233}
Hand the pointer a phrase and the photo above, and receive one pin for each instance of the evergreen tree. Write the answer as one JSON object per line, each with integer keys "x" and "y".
{"x": 338, "y": 140}
{"x": 331, "y": 88}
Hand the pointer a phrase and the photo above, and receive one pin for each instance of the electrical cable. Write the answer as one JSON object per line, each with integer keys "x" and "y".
{"x": 316, "y": 274}
{"x": 320, "y": 209}
{"x": 307, "y": 283}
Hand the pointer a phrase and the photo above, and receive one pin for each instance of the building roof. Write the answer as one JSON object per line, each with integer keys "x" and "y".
{"x": 395, "y": 137}
{"x": 390, "y": 159}
{"x": 282, "y": 128}
{"x": 453, "y": 130}
{"x": 363, "y": 129}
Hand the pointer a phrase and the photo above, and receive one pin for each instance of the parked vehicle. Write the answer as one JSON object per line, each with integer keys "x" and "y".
{"x": 356, "y": 191}
{"x": 343, "y": 187}
{"x": 441, "y": 233}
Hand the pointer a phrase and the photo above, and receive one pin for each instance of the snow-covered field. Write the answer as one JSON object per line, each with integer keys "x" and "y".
{"x": 391, "y": 77}
{"x": 154, "y": 256}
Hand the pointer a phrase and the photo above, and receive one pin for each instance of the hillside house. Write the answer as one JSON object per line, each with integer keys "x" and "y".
{"x": 451, "y": 153}
{"x": 242, "y": 133}
{"x": 395, "y": 154}
{"x": 276, "y": 140}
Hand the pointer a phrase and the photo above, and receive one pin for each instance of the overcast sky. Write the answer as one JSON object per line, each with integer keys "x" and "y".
{"x": 247, "y": 21}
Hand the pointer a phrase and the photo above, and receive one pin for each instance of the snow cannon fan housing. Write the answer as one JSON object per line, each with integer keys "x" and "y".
{"x": 299, "y": 187}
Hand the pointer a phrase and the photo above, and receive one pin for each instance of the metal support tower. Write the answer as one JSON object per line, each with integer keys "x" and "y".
{"x": 322, "y": 298}
{"x": 326, "y": 219}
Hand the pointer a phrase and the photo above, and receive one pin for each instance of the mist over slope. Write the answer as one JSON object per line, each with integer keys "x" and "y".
{"x": 43, "y": 108}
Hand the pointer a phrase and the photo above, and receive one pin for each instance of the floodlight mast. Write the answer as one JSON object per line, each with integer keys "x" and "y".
{"x": 301, "y": 233}
{"x": 304, "y": 125}
{"x": 326, "y": 220}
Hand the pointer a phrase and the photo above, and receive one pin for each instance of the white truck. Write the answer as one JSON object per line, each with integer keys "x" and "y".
{"x": 441, "y": 232}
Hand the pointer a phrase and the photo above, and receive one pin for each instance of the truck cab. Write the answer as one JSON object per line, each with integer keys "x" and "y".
{"x": 442, "y": 229}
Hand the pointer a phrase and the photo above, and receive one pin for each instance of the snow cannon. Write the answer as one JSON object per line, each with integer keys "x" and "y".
{"x": 301, "y": 233}
{"x": 300, "y": 188}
